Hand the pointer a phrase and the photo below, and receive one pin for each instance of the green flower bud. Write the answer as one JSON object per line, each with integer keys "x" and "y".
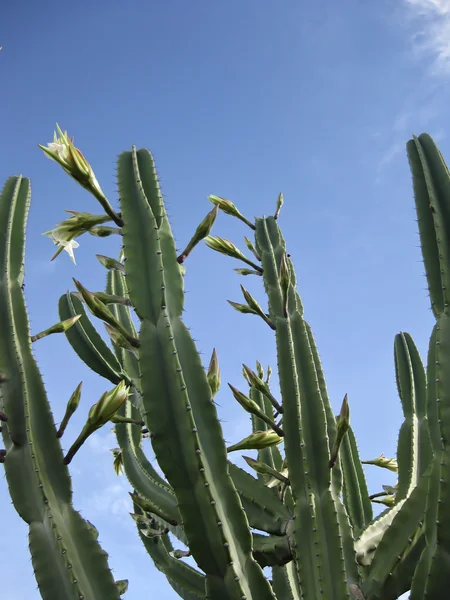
{"x": 257, "y": 441}
{"x": 264, "y": 469}
{"x": 229, "y": 249}
{"x": 229, "y": 208}
{"x": 63, "y": 151}
{"x": 99, "y": 414}
{"x": 248, "y": 272}
{"x": 122, "y": 586}
{"x": 213, "y": 374}
{"x": 202, "y": 231}
{"x": 252, "y": 248}
{"x": 71, "y": 407}
{"x": 101, "y": 311}
{"x": 60, "y": 327}
{"x": 110, "y": 263}
{"x": 121, "y": 341}
{"x": 383, "y": 462}
{"x": 104, "y": 231}
{"x": 280, "y": 202}
{"x": 255, "y": 307}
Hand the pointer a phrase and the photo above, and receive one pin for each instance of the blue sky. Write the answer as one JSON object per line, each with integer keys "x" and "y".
{"x": 243, "y": 99}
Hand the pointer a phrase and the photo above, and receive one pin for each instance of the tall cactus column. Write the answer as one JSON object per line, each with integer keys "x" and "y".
{"x": 431, "y": 181}
{"x": 68, "y": 562}
{"x": 318, "y": 541}
{"x": 186, "y": 433}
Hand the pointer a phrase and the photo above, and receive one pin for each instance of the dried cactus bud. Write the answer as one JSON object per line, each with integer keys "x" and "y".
{"x": 2, "y": 456}
{"x": 3, "y": 416}
{"x": 118, "y": 460}
{"x": 213, "y": 374}
{"x": 257, "y": 441}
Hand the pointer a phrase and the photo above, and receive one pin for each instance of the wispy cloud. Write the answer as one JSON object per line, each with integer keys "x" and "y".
{"x": 431, "y": 37}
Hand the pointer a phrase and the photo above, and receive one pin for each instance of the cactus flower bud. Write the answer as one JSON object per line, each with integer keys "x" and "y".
{"x": 202, "y": 231}
{"x": 259, "y": 370}
{"x": 2, "y": 456}
{"x": 253, "y": 408}
{"x": 248, "y": 272}
{"x": 213, "y": 374}
{"x": 3, "y": 416}
{"x": 110, "y": 402}
{"x": 229, "y": 249}
{"x": 343, "y": 423}
{"x": 101, "y": 311}
{"x": 280, "y": 202}
{"x": 255, "y": 307}
{"x": 121, "y": 341}
{"x": 251, "y": 247}
{"x": 104, "y": 231}
{"x": 387, "y": 500}
{"x": 122, "y": 586}
{"x": 110, "y": 263}
{"x": 229, "y": 208}
{"x": 71, "y": 407}
{"x": 63, "y": 151}
{"x": 382, "y": 461}
{"x": 264, "y": 469}
{"x": 261, "y": 386}
{"x": 257, "y": 441}
{"x": 148, "y": 506}
{"x": 269, "y": 374}
{"x": 285, "y": 281}
{"x": 60, "y": 327}
{"x": 99, "y": 414}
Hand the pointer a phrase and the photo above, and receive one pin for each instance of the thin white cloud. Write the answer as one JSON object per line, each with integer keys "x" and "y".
{"x": 431, "y": 19}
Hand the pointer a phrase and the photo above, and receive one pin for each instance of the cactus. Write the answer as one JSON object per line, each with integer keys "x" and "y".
{"x": 310, "y": 499}
{"x": 68, "y": 562}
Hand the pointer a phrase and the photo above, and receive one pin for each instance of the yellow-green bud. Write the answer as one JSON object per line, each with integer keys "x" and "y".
{"x": 60, "y": 327}
{"x": 280, "y": 202}
{"x": 213, "y": 374}
{"x": 229, "y": 208}
{"x": 202, "y": 231}
{"x": 382, "y": 461}
{"x": 63, "y": 151}
{"x": 264, "y": 469}
{"x": 121, "y": 341}
{"x": 229, "y": 249}
{"x": 110, "y": 263}
{"x": 255, "y": 307}
{"x": 122, "y": 586}
{"x": 71, "y": 407}
{"x": 257, "y": 441}
{"x": 109, "y": 403}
